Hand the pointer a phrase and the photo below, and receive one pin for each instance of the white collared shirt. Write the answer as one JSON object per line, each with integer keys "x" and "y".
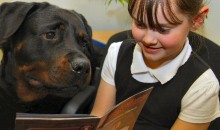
{"x": 164, "y": 73}
{"x": 199, "y": 105}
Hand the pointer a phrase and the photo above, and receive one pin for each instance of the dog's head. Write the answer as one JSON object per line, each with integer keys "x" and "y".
{"x": 46, "y": 48}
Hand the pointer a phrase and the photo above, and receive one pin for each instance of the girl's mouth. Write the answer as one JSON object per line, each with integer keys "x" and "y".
{"x": 151, "y": 50}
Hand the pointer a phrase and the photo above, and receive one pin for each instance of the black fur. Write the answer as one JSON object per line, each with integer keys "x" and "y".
{"x": 47, "y": 58}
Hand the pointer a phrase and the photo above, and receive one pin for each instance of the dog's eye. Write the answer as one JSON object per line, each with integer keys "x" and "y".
{"x": 50, "y": 35}
{"x": 83, "y": 41}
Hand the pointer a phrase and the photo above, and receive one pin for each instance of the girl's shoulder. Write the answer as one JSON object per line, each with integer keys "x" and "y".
{"x": 115, "y": 46}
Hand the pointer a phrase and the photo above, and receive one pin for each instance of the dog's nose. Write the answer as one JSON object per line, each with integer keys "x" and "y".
{"x": 80, "y": 65}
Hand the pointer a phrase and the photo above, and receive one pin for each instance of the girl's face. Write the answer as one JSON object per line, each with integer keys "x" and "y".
{"x": 161, "y": 46}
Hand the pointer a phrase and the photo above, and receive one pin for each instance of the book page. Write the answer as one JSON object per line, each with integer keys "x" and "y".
{"x": 124, "y": 115}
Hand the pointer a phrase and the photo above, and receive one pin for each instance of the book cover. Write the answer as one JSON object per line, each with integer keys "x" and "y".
{"x": 121, "y": 117}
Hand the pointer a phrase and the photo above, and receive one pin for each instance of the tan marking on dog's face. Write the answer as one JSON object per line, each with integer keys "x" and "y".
{"x": 62, "y": 27}
{"x": 19, "y": 47}
{"x": 63, "y": 62}
{"x": 81, "y": 34}
{"x": 64, "y": 68}
{"x": 45, "y": 76}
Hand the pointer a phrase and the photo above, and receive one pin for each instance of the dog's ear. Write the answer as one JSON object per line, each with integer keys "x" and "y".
{"x": 11, "y": 17}
{"x": 84, "y": 22}
{"x": 87, "y": 26}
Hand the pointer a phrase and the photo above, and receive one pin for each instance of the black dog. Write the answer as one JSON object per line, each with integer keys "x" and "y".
{"x": 47, "y": 58}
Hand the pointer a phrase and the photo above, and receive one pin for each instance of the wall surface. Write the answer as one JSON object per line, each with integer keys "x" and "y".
{"x": 115, "y": 16}
{"x": 211, "y": 27}
{"x": 99, "y": 15}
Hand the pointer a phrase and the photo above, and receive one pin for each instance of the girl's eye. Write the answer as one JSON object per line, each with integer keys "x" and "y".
{"x": 139, "y": 25}
{"x": 50, "y": 35}
{"x": 164, "y": 30}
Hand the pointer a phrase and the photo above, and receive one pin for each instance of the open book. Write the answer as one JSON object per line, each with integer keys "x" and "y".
{"x": 122, "y": 117}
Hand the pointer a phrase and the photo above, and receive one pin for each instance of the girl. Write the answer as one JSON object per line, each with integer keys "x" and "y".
{"x": 185, "y": 94}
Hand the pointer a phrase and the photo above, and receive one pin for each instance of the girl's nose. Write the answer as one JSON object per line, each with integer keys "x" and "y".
{"x": 149, "y": 37}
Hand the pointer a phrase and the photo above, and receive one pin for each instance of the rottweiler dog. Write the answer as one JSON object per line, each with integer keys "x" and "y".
{"x": 47, "y": 58}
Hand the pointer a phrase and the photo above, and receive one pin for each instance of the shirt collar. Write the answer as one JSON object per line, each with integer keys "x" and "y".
{"x": 165, "y": 72}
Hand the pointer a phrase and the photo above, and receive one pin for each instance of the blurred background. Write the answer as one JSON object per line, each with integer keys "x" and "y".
{"x": 102, "y": 16}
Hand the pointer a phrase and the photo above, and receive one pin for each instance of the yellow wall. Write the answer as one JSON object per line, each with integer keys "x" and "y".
{"x": 4, "y": 1}
{"x": 0, "y": 55}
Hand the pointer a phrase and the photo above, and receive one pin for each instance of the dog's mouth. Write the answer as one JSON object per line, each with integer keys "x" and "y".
{"x": 34, "y": 82}
{"x": 63, "y": 91}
